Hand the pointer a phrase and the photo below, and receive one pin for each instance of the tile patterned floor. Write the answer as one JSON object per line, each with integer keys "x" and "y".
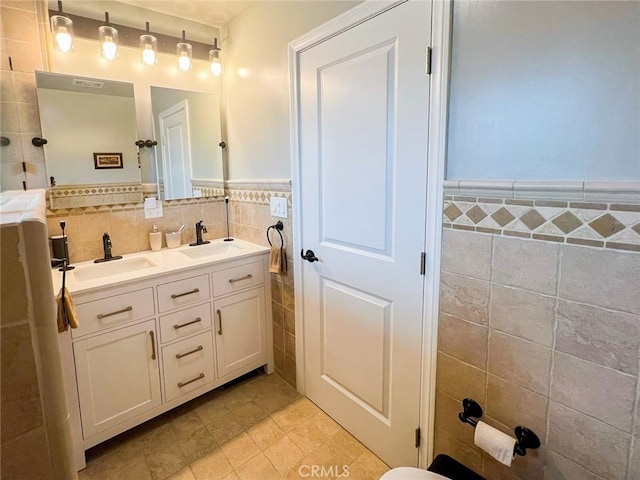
{"x": 257, "y": 429}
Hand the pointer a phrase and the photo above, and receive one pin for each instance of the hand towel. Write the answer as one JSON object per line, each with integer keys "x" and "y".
{"x": 275, "y": 259}
{"x": 67, "y": 315}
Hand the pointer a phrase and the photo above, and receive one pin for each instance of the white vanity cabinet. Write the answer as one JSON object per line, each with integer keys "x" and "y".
{"x": 148, "y": 345}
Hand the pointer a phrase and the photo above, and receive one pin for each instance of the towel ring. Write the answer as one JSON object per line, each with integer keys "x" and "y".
{"x": 279, "y": 227}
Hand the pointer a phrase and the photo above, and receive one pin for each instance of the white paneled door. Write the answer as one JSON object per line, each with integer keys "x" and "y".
{"x": 176, "y": 150}
{"x": 363, "y": 119}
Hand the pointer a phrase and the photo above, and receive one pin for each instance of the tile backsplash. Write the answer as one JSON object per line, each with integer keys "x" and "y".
{"x": 128, "y": 228}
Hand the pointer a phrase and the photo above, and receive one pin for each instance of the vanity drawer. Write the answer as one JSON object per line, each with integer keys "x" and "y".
{"x": 183, "y": 292}
{"x": 112, "y": 311}
{"x": 188, "y": 365}
{"x": 238, "y": 278}
{"x": 185, "y": 322}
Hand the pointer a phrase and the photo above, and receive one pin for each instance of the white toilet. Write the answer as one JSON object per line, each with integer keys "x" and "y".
{"x": 411, "y": 473}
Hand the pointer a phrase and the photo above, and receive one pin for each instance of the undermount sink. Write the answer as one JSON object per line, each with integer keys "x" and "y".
{"x": 115, "y": 267}
{"x": 211, "y": 249}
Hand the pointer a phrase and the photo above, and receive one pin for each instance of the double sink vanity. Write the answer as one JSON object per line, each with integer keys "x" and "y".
{"x": 157, "y": 329}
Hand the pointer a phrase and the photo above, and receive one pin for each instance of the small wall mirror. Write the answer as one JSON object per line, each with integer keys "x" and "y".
{"x": 188, "y": 154}
{"x": 90, "y": 128}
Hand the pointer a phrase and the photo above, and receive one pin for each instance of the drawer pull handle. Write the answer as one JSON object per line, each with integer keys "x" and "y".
{"x": 184, "y": 384}
{"x": 153, "y": 345}
{"x": 177, "y": 327}
{"x": 190, "y": 292}
{"x": 105, "y": 315}
{"x": 246, "y": 277}
{"x": 219, "y": 313}
{"x": 180, "y": 355}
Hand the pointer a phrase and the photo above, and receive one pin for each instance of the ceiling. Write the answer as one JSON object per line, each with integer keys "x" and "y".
{"x": 209, "y": 12}
{"x": 199, "y": 17}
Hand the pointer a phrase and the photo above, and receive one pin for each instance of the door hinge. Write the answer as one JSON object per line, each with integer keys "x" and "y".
{"x": 417, "y": 437}
{"x": 423, "y": 261}
{"x": 428, "y": 61}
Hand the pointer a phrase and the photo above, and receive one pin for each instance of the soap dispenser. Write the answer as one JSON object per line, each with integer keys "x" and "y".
{"x": 155, "y": 239}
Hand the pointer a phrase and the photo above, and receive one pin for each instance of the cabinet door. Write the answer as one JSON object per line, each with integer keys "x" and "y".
{"x": 240, "y": 331}
{"x": 118, "y": 376}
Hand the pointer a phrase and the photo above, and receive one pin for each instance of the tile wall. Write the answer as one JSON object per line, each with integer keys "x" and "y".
{"x": 542, "y": 332}
{"x": 250, "y": 219}
{"x": 19, "y": 118}
{"x": 25, "y": 451}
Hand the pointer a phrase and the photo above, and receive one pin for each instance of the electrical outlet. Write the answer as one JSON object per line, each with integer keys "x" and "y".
{"x": 278, "y": 207}
{"x": 153, "y": 212}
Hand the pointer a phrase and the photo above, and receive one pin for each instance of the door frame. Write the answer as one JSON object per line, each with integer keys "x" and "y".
{"x": 437, "y": 136}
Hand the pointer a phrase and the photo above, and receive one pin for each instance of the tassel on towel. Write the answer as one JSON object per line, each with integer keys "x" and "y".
{"x": 67, "y": 316}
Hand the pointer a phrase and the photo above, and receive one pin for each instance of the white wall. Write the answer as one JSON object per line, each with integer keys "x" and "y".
{"x": 256, "y": 83}
{"x": 545, "y": 90}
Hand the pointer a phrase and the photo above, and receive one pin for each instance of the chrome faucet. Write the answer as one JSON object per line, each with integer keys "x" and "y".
{"x": 200, "y": 229}
{"x": 106, "y": 247}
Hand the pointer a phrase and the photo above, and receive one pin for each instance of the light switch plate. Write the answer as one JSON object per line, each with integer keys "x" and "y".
{"x": 154, "y": 212}
{"x": 278, "y": 206}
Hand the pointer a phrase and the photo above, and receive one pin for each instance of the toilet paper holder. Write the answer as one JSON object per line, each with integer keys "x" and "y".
{"x": 525, "y": 438}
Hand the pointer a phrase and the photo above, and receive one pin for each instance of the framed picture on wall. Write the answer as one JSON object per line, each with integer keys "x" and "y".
{"x": 107, "y": 160}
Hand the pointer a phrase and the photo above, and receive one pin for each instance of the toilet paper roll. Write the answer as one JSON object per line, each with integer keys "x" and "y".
{"x": 497, "y": 444}
{"x": 150, "y": 202}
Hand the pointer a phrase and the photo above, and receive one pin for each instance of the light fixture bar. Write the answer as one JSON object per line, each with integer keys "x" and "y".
{"x": 86, "y": 28}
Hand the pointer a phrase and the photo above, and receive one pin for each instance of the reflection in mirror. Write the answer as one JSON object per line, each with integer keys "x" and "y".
{"x": 90, "y": 127}
{"x": 188, "y": 155}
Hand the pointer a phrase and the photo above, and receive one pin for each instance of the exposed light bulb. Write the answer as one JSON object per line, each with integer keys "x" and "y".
{"x": 184, "y": 62}
{"x": 216, "y": 67}
{"x": 62, "y": 31}
{"x": 148, "y": 47}
{"x": 109, "y": 48}
{"x": 108, "y": 37}
{"x": 183, "y": 51}
{"x": 148, "y": 55}
{"x": 214, "y": 59}
{"x": 63, "y": 40}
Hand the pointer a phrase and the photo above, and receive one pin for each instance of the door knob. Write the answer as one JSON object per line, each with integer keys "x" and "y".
{"x": 309, "y": 256}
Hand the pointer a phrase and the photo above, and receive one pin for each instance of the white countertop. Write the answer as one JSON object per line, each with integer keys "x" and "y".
{"x": 165, "y": 261}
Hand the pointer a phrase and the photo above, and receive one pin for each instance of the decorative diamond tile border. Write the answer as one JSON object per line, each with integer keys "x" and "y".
{"x": 258, "y": 194}
{"x": 72, "y": 196}
{"x": 606, "y": 225}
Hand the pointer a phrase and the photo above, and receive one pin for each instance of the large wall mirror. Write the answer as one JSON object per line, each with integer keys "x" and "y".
{"x": 81, "y": 117}
{"x": 188, "y": 155}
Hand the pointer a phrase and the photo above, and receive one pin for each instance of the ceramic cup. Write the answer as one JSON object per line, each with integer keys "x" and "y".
{"x": 174, "y": 239}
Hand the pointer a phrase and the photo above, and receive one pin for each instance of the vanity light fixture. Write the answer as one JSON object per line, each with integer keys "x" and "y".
{"x": 214, "y": 59}
{"x": 148, "y": 48}
{"x": 184, "y": 52}
{"x": 62, "y": 30}
{"x": 108, "y": 37}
